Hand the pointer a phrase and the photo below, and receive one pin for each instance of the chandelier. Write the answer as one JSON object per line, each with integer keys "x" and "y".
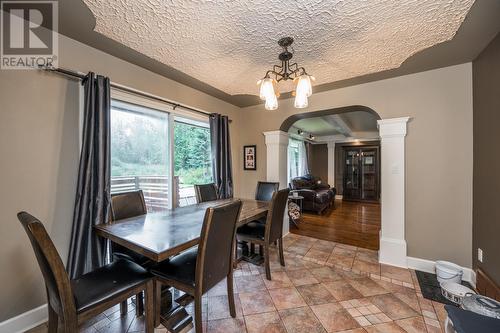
{"x": 287, "y": 71}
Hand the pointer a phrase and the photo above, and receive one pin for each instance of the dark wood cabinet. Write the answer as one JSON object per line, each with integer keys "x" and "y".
{"x": 361, "y": 173}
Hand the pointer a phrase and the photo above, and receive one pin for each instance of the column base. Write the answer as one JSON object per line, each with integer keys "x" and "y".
{"x": 392, "y": 252}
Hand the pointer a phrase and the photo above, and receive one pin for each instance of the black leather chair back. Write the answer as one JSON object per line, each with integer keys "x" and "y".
{"x": 215, "y": 250}
{"x": 265, "y": 190}
{"x": 123, "y": 206}
{"x": 127, "y": 204}
{"x": 56, "y": 279}
{"x": 275, "y": 215}
{"x": 206, "y": 192}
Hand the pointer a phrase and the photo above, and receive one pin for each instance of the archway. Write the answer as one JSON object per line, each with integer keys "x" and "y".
{"x": 392, "y": 134}
{"x": 288, "y": 122}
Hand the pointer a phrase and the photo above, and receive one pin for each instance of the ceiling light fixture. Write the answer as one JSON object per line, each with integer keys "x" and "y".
{"x": 299, "y": 132}
{"x": 287, "y": 71}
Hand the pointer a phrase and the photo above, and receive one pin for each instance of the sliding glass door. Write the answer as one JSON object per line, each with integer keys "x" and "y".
{"x": 192, "y": 158}
{"x": 160, "y": 153}
{"x": 139, "y": 153}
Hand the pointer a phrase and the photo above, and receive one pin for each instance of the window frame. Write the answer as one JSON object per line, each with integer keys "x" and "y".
{"x": 173, "y": 114}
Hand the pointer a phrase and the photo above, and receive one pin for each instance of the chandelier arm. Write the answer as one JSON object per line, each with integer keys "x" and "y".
{"x": 293, "y": 65}
{"x": 299, "y": 71}
{"x": 280, "y": 68}
{"x": 272, "y": 72}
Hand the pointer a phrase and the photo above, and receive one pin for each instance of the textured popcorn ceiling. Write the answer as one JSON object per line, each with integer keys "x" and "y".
{"x": 230, "y": 44}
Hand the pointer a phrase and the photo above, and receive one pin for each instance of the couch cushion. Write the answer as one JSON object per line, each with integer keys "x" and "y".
{"x": 301, "y": 183}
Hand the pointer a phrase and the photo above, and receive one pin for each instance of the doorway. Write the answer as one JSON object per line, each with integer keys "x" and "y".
{"x": 392, "y": 133}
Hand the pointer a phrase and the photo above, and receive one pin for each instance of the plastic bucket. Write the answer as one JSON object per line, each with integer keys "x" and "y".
{"x": 448, "y": 272}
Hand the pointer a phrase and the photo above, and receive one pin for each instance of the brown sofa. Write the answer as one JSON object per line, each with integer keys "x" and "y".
{"x": 317, "y": 196}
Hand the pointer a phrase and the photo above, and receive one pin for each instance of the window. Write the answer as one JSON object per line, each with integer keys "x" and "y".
{"x": 297, "y": 159}
{"x": 192, "y": 158}
{"x": 155, "y": 150}
{"x": 139, "y": 153}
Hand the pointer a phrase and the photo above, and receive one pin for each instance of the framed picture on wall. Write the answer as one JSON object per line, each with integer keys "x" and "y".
{"x": 250, "y": 157}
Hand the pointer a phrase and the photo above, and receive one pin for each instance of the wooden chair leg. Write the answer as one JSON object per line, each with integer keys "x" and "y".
{"x": 280, "y": 249}
{"x": 235, "y": 256}
{"x": 266, "y": 262}
{"x": 252, "y": 248}
{"x": 197, "y": 313}
{"x": 157, "y": 302}
{"x": 70, "y": 325}
{"x": 230, "y": 295}
{"x": 124, "y": 308}
{"x": 139, "y": 304}
{"x": 149, "y": 306}
{"x": 53, "y": 320}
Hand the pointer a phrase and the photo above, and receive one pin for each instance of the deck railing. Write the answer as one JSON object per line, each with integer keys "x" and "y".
{"x": 155, "y": 189}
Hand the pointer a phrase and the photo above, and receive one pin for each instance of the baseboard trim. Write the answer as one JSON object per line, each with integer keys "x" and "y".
{"x": 429, "y": 266}
{"x": 392, "y": 252}
{"x": 25, "y": 321}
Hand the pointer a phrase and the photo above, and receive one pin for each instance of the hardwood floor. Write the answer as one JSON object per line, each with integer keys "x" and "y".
{"x": 353, "y": 223}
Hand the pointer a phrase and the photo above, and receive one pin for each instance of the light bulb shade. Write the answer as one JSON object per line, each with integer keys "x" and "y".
{"x": 304, "y": 86}
{"x": 301, "y": 101}
{"x": 271, "y": 103}
{"x": 267, "y": 88}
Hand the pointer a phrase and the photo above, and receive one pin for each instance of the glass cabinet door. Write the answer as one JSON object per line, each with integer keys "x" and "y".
{"x": 369, "y": 174}
{"x": 361, "y": 174}
{"x": 351, "y": 174}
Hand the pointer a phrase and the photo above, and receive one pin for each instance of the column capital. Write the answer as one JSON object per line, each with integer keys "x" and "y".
{"x": 331, "y": 144}
{"x": 392, "y": 127}
{"x": 276, "y": 137}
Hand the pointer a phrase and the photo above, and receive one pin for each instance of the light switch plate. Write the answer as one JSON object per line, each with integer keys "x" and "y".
{"x": 479, "y": 254}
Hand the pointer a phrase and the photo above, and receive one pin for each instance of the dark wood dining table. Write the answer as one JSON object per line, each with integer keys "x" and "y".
{"x": 162, "y": 235}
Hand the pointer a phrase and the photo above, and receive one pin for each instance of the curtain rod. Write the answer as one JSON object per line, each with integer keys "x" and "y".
{"x": 80, "y": 76}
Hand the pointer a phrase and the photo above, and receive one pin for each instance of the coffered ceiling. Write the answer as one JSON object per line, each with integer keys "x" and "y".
{"x": 224, "y": 47}
{"x": 346, "y": 124}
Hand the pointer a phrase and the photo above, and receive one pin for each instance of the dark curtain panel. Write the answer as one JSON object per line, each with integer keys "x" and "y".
{"x": 92, "y": 203}
{"x": 221, "y": 155}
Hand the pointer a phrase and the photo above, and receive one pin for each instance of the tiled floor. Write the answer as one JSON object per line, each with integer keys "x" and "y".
{"x": 325, "y": 287}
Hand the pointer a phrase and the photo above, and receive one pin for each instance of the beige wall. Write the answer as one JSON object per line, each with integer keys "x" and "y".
{"x": 39, "y": 149}
{"x": 486, "y": 225}
{"x": 438, "y": 147}
{"x": 39, "y": 157}
{"x": 318, "y": 161}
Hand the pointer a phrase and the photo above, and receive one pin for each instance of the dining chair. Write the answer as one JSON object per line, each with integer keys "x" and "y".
{"x": 125, "y": 205}
{"x": 74, "y": 301}
{"x": 197, "y": 270}
{"x": 265, "y": 190}
{"x": 264, "y": 234}
{"x": 206, "y": 192}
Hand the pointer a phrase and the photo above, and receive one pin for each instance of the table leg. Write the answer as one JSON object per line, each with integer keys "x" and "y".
{"x": 172, "y": 315}
{"x": 249, "y": 256}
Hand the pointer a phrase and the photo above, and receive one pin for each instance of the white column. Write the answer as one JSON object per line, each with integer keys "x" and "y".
{"x": 331, "y": 163}
{"x": 392, "y": 235}
{"x": 277, "y": 164}
{"x": 277, "y": 157}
